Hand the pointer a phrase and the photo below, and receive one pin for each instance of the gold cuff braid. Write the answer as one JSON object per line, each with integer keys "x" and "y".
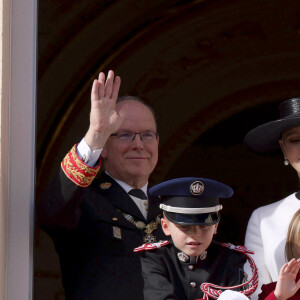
{"x": 77, "y": 171}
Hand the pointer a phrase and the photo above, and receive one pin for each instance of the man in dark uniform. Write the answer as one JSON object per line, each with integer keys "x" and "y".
{"x": 96, "y": 223}
{"x": 176, "y": 269}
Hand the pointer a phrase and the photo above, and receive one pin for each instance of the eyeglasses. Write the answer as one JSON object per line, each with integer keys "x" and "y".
{"x": 128, "y": 136}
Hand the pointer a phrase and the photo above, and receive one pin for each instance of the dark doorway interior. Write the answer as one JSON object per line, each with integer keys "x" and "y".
{"x": 256, "y": 179}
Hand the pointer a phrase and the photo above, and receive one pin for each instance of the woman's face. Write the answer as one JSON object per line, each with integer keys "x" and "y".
{"x": 290, "y": 146}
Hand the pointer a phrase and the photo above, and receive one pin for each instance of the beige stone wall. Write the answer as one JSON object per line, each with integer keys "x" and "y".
{"x": 4, "y": 92}
{"x": 17, "y": 143}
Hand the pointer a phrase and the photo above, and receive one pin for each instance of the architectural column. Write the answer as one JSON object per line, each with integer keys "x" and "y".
{"x": 4, "y": 104}
{"x": 18, "y": 23}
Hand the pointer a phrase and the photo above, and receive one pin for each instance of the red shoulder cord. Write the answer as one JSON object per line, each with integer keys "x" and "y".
{"x": 214, "y": 291}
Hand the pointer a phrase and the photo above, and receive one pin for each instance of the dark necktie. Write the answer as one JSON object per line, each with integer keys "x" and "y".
{"x": 138, "y": 193}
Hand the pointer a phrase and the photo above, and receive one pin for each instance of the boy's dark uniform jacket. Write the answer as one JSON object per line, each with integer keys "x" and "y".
{"x": 166, "y": 277}
{"x": 93, "y": 239}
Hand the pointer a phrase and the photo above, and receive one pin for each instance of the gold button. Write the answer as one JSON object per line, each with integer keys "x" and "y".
{"x": 190, "y": 267}
{"x": 193, "y": 284}
{"x": 115, "y": 219}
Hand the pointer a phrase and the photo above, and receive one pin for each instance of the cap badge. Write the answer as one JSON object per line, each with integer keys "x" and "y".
{"x": 105, "y": 185}
{"x": 197, "y": 187}
{"x": 183, "y": 257}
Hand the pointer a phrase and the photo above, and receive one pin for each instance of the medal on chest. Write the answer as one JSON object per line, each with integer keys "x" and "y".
{"x": 147, "y": 228}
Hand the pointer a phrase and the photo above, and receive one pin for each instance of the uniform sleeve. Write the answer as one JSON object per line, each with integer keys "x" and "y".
{"x": 253, "y": 241}
{"x": 156, "y": 279}
{"x": 59, "y": 205}
{"x": 77, "y": 171}
{"x": 267, "y": 292}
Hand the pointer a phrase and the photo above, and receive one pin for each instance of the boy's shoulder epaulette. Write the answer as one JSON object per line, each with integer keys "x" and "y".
{"x": 239, "y": 248}
{"x": 151, "y": 246}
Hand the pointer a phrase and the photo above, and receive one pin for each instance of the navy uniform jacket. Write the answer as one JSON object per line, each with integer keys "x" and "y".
{"x": 166, "y": 277}
{"x": 93, "y": 239}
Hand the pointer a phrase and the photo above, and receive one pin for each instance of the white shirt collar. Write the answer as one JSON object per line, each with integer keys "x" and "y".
{"x": 128, "y": 187}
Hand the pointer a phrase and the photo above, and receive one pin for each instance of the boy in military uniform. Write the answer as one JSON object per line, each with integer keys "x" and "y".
{"x": 176, "y": 269}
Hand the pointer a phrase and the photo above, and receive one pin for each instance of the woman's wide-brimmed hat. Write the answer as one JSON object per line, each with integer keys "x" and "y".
{"x": 265, "y": 138}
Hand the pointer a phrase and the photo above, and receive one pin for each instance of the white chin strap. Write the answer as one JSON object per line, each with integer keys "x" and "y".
{"x": 184, "y": 210}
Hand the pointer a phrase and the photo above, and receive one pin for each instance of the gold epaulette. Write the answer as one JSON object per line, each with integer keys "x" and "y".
{"x": 77, "y": 171}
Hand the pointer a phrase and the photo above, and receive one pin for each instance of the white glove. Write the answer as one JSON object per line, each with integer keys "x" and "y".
{"x": 232, "y": 295}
